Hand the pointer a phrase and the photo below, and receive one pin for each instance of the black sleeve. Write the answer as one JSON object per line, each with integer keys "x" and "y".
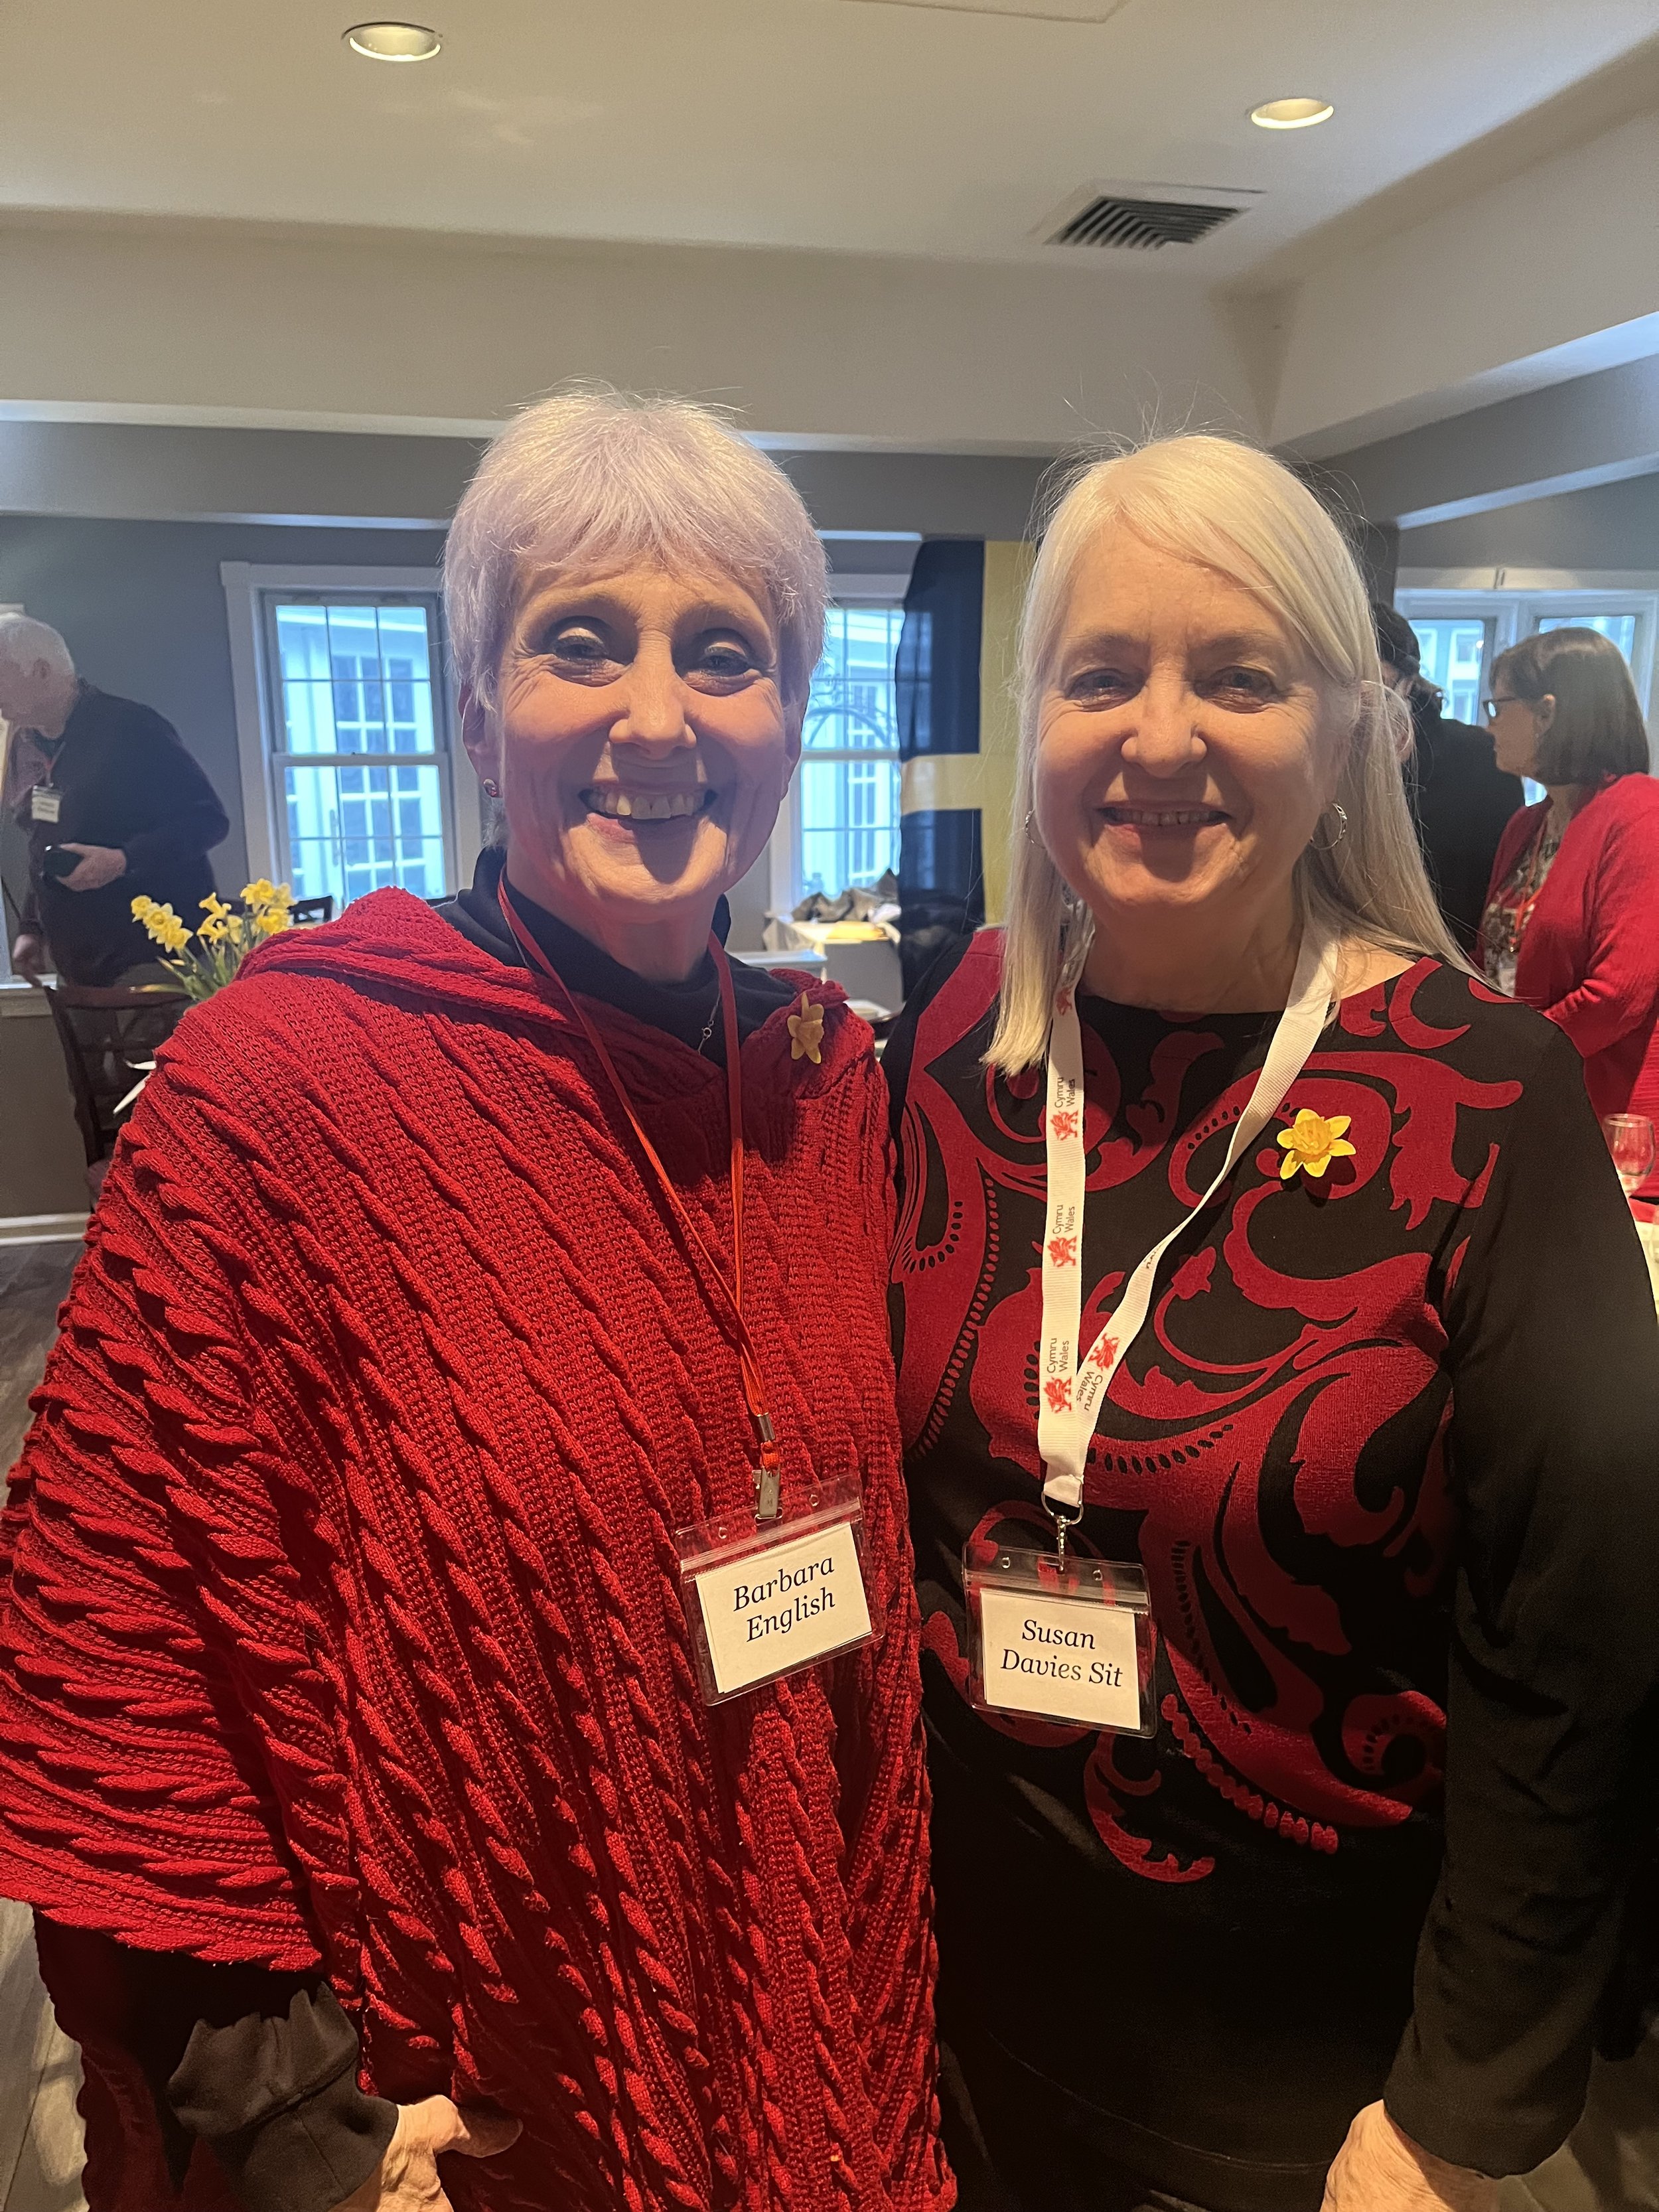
{"x": 178, "y": 799}
{"x": 902, "y": 1039}
{"x": 263, "y": 2068}
{"x": 1553, "y": 1454}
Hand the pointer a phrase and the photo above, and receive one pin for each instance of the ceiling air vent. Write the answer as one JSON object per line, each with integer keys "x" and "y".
{"x": 1147, "y": 217}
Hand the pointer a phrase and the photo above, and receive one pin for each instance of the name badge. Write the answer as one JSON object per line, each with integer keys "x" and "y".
{"x": 1067, "y": 1641}
{"x": 45, "y": 804}
{"x": 766, "y": 1600}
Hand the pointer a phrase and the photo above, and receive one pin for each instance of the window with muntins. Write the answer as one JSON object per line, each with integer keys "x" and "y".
{"x": 847, "y": 804}
{"x": 357, "y": 743}
{"x": 1463, "y": 632}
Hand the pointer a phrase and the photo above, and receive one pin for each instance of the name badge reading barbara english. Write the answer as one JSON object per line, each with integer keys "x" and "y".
{"x": 1062, "y": 1639}
{"x": 767, "y": 1598}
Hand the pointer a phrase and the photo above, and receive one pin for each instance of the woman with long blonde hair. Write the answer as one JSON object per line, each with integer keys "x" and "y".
{"x": 1278, "y": 1376}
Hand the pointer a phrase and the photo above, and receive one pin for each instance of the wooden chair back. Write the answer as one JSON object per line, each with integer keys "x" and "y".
{"x": 104, "y": 1032}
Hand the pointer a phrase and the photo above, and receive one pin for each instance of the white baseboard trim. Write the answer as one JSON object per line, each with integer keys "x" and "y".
{"x": 42, "y": 1228}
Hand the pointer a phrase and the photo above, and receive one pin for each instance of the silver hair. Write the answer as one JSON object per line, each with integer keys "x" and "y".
{"x": 1232, "y": 508}
{"x": 599, "y": 478}
{"x": 25, "y": 642}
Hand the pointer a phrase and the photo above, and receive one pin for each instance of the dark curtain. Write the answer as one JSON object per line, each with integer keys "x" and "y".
{"x": 936, "y": 675}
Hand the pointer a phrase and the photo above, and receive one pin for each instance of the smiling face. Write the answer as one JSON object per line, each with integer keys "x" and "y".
{"x": 642, "y": 744}
{"x": 1185, "y": 755}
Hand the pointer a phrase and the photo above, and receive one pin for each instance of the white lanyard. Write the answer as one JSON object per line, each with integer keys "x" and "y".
{"x": 1071, "y": 1398}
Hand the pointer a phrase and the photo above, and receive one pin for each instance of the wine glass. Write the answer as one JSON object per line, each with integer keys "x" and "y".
{"x": 1630, "y": 1139}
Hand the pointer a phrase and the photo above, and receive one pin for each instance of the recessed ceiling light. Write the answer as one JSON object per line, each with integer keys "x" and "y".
{"x": 394, "y": 42}
{"x": 1292, "y": 114}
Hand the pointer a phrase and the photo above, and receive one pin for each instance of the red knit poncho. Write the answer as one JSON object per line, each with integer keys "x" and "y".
{"x": 343, "y": 1621}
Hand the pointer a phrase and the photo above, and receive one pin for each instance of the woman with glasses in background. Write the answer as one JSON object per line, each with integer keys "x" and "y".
{"x": 1571, "y": 914}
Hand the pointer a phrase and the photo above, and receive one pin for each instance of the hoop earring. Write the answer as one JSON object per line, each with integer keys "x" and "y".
{"x": 1341, "y": 814}
{"x": 492, "y": 789}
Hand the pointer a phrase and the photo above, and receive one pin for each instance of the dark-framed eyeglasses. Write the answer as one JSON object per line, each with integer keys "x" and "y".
{"x": 1491, "y": 707}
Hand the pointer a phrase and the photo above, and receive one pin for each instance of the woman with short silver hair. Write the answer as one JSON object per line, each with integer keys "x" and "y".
{"x": 457, "y": 1669}
{"x": 1279, "y": 1382}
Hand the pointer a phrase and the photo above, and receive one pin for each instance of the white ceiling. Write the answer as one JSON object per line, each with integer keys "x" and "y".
{"x": 865, "y": 125}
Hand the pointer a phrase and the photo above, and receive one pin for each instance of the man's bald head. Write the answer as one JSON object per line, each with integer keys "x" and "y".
{"x": 37, "y": 675}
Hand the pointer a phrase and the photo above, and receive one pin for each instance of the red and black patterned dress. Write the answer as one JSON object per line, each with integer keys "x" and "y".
{"x": 1388, "y": 1449}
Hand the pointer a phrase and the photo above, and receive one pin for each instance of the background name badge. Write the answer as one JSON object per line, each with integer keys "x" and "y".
{"x": 1068, "y": 1642}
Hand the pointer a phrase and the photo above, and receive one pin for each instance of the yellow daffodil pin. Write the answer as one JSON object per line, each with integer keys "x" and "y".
{"x": 1312, "y": 1143}
{"x": 806, "y": 1032}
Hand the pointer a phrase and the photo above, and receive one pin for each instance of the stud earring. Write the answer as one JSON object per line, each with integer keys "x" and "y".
{"x": 492, "y": 789}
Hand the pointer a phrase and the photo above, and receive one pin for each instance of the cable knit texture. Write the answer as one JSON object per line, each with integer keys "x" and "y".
{"x": 343, "y": 1621}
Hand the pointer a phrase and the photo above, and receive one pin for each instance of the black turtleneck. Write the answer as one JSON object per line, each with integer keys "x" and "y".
{"x": 688, "y": 1009}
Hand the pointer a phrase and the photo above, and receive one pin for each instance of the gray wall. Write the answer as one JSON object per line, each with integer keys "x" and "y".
{"x": 1612, "y": 525}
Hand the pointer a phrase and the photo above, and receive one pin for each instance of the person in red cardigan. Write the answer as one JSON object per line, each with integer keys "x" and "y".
{"x": 1572, "y": 923}
{"x": 357, "y": 1748}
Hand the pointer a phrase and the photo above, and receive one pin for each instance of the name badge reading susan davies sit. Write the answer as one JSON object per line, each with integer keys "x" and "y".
{"x": 1062, "y": 1642}
{"x": 765, "y": 1600}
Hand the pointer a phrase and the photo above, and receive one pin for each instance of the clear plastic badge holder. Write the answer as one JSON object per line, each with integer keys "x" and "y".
{"x": 1062, "y": 1639}
{"x": 769, "y": 1598}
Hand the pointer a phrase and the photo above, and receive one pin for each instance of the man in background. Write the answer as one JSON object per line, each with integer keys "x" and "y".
{"x": 112, "y": 807}
{"x": 1460, "y": 798}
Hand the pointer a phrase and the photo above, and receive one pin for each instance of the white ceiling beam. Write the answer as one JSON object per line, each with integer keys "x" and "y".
{"x": 213, "y": 323}
{"x": 1510, "y": 289}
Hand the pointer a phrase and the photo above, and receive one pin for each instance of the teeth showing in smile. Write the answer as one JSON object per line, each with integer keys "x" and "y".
{"x": 1163, "y": 817}
{"x": 647, "y": 806}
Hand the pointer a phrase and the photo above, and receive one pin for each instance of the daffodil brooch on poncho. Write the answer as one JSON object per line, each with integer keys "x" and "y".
{"x": 1311, "y": 1143}
{"x": 806, "y": 1032}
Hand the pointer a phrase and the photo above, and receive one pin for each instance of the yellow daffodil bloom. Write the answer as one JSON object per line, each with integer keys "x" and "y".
{"x": 1312, "y": 1143}
{"x": 806, "y": 1032}
{"x": 258, "y": 897}
{"x": 162, "y": 924}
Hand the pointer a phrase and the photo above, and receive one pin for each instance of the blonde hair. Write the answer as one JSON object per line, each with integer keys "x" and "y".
{"x": 1234, "y": 509}
{"x": 595, "y": 477}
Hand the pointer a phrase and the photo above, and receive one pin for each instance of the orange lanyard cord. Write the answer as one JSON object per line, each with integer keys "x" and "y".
{"x": 729, "y": 1297}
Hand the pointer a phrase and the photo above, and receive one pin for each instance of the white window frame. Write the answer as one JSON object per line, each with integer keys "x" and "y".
{"x": 245, "y": 585}
{"x": 1517, "y": 598}
{"x": 783, "y": 851}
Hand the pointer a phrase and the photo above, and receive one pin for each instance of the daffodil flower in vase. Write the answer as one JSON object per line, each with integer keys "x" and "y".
{"x": 213, "y": 951}
{"x": 208, "y": 957}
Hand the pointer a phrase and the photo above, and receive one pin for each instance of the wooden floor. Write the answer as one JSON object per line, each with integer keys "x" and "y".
{"x": 34, "y": 1278}
{"x": 1612, "y": 2164}
{"x": 39, "y": 2069}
